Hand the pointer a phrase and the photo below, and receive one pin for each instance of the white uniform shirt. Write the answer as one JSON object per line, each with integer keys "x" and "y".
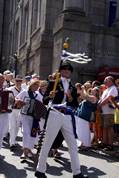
{"x": 65, "y": 83}
{"x": 111, "y": 91}
{"x": 25, "y": 86}
{"x": 24, "y": 96}
{"x": 6, "y": 85}
{"x": 14, "y": 90}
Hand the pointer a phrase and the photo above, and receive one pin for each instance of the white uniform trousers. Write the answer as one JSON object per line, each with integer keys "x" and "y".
{"x": 6, "y": 129}
{"x": 14, "y": 124}
{"x": 28, "y": 141}
{"x": 57, "y": 121}
{"x": 83, "y": 131}
{"x": 3, "y": 123}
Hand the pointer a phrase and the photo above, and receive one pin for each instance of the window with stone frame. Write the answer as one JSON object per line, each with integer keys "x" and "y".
{"x": 34, "y": 22}
{"x": 10, "y": 41}
{"x": 112, "y": 12}
{"x": 26, "y": 20}
{"x": 16, "y": 34}
{"x": 24, "y": 24}
{"x": 59, "y": 7}
{"x": 39, "y": 11}
{"x": 15, "y": 5}
{"x": 21, "y": 24}
{"x": 11, "y": 10}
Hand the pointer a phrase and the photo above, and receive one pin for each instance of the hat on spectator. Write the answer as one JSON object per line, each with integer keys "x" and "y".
{"x": 34, "y": 82}
{"x": 6, "y": 72}
{"x": 18, "y": 78}
{"x": 35, "y": 76}
{"x": 28, "y": 77}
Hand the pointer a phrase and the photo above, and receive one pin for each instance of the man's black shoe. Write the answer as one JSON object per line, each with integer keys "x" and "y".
{"x": 108, "y": 148}
{"x": 40, "y": 175}
{"x": 13, "y": 148}
{"x": 80, "y": 176}
{"x": 6, "y": 139}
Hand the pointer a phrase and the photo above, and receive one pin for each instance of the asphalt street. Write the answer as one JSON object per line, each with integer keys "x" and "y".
{"x": 95, "y": 164}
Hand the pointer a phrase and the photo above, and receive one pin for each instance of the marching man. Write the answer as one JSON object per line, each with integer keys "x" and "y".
{"x": 65, "y": 93}
{"x": 4, "y": 109}
{"x": 14, "y": 118}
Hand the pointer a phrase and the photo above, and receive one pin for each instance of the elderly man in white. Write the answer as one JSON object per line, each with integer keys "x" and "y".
{"x": 107, "y": 110}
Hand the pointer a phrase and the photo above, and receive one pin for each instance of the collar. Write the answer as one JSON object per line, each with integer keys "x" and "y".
{"x": 65, "y": 79}
{"x": 17, "y": 89}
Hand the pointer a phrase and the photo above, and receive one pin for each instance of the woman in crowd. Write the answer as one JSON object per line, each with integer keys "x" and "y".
{"x": 97, "y": 124}
{"x": 24, "y": 100}
{"x": 83, "y": 115}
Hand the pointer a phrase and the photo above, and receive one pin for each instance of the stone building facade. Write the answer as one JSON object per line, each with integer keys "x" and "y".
{"x": 38, "y": 28}
{"x": 4, "y": 23}
{"x": 1, "y": 27}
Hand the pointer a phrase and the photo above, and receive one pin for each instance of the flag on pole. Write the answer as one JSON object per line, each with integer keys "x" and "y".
{"x": 80, "y": 58}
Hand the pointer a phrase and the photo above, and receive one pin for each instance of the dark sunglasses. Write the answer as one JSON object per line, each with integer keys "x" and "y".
{"x": 18, "y": 80}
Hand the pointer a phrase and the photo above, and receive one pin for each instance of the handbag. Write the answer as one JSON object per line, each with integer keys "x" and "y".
{"x": 93, "y": 117}
{"x": 116, "y": 116}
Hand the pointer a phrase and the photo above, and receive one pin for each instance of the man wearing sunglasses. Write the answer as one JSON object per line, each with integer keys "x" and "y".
{"x": 14, "y": 119}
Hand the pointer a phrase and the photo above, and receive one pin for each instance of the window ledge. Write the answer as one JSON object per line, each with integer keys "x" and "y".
{"x": 35, "y": 31}
{"x": 23, "y": 45}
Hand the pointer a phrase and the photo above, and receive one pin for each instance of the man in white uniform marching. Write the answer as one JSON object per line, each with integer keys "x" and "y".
{"x": 57, "y": 121}
{"x": 4, "y": 110}
{"x": 14, "y": 118}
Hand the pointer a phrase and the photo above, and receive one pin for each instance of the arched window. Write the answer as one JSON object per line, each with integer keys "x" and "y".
{"x": 112, "y": 12}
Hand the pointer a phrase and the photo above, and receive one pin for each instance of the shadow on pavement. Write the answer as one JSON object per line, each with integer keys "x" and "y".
{"x": 63, "y": 148}
{"x": 19, "y": 139}
{"x": 64, "y": 164}
{"x": 12, "y": 172}
{"x": 17, "y": 151}
{"x": 100, "y": 154}
{"x": 92, "y": 172}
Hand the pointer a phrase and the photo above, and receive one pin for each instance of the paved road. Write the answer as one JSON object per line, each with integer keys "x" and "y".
{"x": 94, "y": 164}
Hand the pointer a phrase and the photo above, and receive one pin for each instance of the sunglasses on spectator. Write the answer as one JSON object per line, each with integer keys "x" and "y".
{"x": 18, "y": 80}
